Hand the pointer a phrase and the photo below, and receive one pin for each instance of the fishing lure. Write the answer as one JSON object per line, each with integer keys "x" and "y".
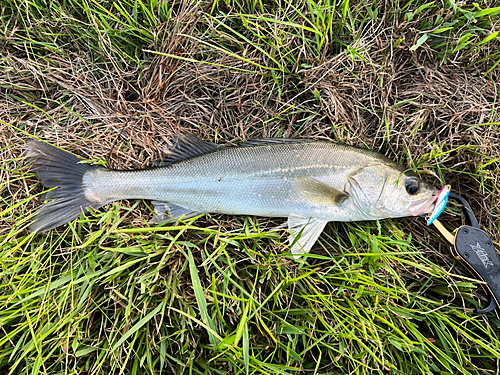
{"x": 440, "y": 204}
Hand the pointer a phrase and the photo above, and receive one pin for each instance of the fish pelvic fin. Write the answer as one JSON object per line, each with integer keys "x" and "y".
{"x": 305, "y": 232}
{"x": 61, "y": 169}
{"x": 165, "y": 211}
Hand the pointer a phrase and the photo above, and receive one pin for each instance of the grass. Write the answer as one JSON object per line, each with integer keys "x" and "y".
{"x": 113, "y": 81}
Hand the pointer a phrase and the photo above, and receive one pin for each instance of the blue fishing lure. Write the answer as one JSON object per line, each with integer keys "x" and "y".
{"x": 441, "y": 202}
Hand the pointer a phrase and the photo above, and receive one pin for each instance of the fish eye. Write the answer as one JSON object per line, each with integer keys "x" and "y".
{"x": 412, "y": 185}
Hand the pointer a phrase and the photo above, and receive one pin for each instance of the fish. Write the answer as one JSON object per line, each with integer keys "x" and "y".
{"x": 309, "y": 182}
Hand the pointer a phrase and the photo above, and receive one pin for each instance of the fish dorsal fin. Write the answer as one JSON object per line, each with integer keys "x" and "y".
{"x": 271, "y": 141}
{"x": 165, "y": 211}
{"x": 318, "y": 192}
{"x": 305, "y": 231}
{"x": 185, "y": 146}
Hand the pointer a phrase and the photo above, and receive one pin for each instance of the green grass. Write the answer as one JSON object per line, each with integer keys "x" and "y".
{"x": 111, "y": 81}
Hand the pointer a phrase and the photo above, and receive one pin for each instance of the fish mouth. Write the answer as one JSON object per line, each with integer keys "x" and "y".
{"x": 423, "y": 206}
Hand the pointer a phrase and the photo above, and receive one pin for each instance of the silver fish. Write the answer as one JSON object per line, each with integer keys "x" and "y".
{"x": 309, "y": 182}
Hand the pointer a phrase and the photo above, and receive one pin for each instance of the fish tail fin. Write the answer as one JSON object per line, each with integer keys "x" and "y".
{"x": 58, "y": 168}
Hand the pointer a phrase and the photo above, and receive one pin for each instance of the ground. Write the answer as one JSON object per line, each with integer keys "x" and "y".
{"x": 113, "y": 82}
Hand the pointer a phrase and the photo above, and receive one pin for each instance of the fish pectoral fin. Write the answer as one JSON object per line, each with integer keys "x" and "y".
{"x": 305, "y": 231}
{"x": 186, "y": 146}
{"x": 318, "y": 192}
{"x": 165, "y": 211}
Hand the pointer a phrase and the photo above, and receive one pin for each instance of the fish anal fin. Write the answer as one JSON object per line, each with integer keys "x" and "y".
{"x": 304, "y": 233}
{"x": 318, "y": 192}
{"x": 185, "y": 146}
{"x": 165, "y": 211}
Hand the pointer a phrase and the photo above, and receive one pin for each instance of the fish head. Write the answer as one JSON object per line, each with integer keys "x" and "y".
{"x": 383, "y": 191}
